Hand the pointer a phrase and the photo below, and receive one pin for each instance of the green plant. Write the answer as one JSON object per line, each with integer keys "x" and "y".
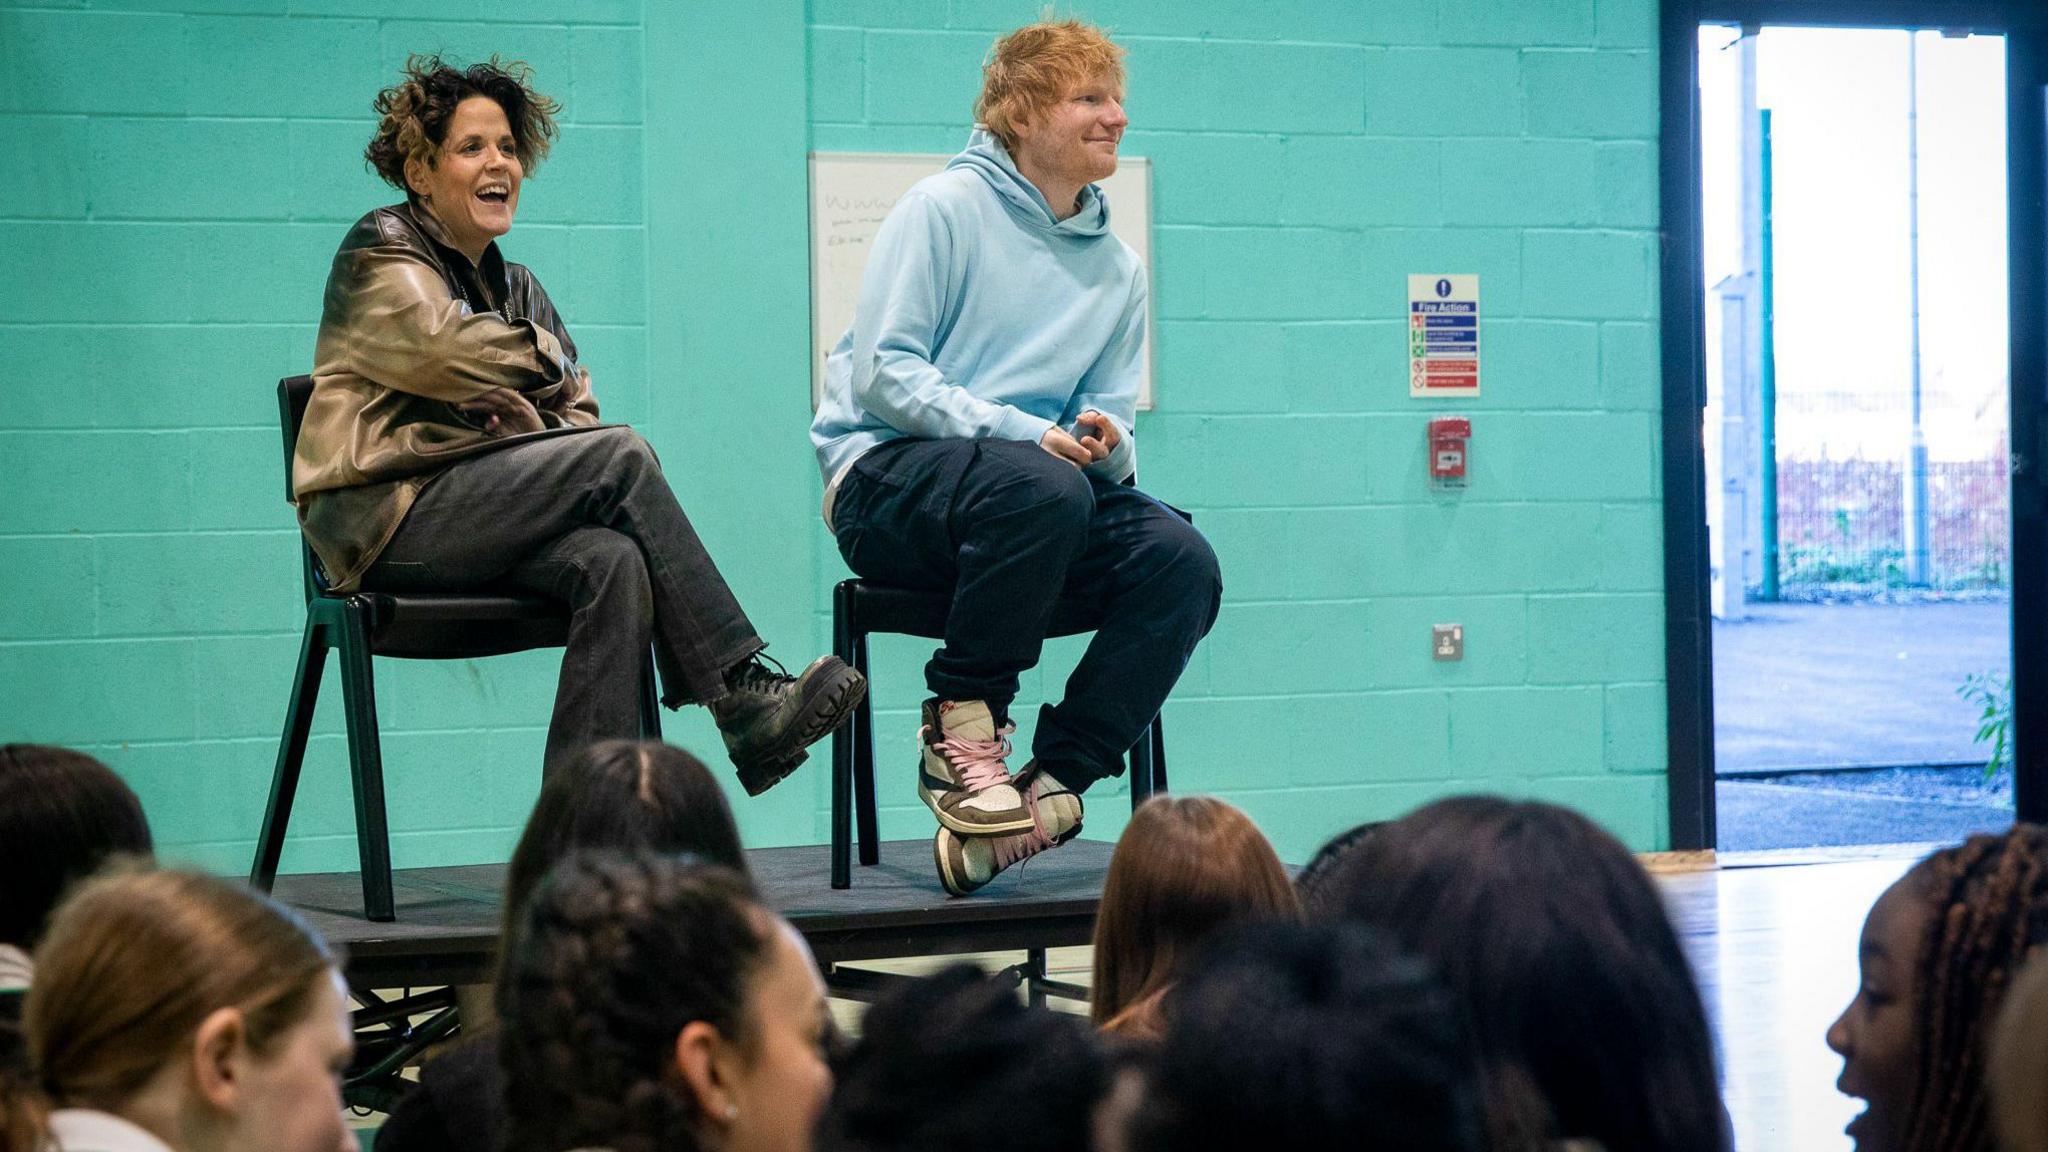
{"x": 1993, "y": 693}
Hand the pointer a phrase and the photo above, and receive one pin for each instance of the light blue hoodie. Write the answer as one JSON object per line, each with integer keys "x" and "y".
{"x": 982, "y": 316}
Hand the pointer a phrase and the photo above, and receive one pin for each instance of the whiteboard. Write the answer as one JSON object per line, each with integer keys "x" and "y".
{"x": 851, "y": 193}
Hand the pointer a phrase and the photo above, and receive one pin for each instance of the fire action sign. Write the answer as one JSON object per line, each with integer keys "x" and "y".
{"x": 1443, "y": 335}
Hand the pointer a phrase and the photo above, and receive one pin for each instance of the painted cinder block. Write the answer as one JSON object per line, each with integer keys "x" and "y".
{"x": 1591, "y": 93}
{"x": 1634, "y": 722}
{"x": 1630, "y": 374}
{"x": 1253, "y": 87}
{"x": 881, "y": 13}
{"x": 1166, "y": 86}
{"x": 1631, "y": 547}
{"x": 1495, "y": 182}
{"x": 923, "y": 77}
{"x": 1300, "y": 820}
{"x": 1404, "y": 736}
{"x": 91, "y": 270}
{"x": 277, "y": 66}
{"x": 1294, "y": 647}
{"x": 1633, "y": 808}
{"x": 1517, "y": 23}
{"x": 87, "y": 691}
{"x": 260, "y": 273}
{"x": 29, "y": 355}
{"x": 1625, "y": 176}
{"x": 616, "y": 356}
{"x": 1495, "y": 255}
{"x": 184, "y": 376}
{"x": 1360, "y": 182}
{"x": 837, "y": 90}
{"x": 197, "y": 583}
{"x": 1280, "y": 273}
{"x": 1346, "y": 366}
{"x": 1588, "y": 275}
{"x": 594, "y": 175}
{"x": 136, "y": 65}
{"x": 329, "y": 178}
{"x": 544, "y": 48}
{"x": 49, "y": 587}
{"x": 238, "y": 480}
{"x": 1497, "y": 641}
{"x": 1626, "y": 23}
{"x": 158, "y": 169}
{"x": 1251, "y": 547}
{"x": 1598, "y": 638}
{"x": 1543, "y": 364}
{"x": 52, "y": 165}
{"x": 1220, "y": 367}
{"x": 1527, "y": 732}
{"x": 604, "y": 85}
{"x": 1182, "y": 162}
{"x": 80, "y": 481}
{"x": 1438, "y": 92}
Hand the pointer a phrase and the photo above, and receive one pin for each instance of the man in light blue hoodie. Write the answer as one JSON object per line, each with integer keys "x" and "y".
{"x": 976, "y": 435}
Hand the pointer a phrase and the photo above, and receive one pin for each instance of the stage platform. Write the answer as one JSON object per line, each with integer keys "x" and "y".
{"x": 447, "y": 926}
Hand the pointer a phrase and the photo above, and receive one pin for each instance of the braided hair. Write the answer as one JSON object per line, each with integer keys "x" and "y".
{"x": 1989, "y": 898}
{"x": 615, "y": 954}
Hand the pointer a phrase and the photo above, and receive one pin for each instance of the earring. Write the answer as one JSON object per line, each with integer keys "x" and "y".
{"x": 732, "y": 1111}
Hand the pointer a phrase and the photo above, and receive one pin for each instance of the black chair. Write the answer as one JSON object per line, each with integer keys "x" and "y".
{"x": 861, "y": 608}
{"x": 410, "y": 626}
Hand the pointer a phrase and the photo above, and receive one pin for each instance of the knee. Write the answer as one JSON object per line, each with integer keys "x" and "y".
{"x": 1026, "y": 479}
{"x": 624, "y": 447}
{"x": 611, "y": 576}
{"x": 1185, "y": 559}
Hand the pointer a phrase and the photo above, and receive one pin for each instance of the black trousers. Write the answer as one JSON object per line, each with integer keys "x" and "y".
{"x": 587, "y": 519}
{"x": 1007, "y": 528}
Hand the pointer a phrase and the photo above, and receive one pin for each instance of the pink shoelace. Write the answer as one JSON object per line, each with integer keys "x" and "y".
{"x": 1024, "y": 845}
{"x": 979, "y": 762}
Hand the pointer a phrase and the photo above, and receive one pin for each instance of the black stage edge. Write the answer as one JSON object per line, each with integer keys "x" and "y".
{"x": 447, "y": 926}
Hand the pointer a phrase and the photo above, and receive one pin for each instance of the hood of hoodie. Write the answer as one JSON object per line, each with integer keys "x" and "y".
{"x": 988, "y": 158}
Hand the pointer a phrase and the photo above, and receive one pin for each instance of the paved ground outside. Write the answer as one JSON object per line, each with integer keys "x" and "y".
{"x": 1805, "y": 686}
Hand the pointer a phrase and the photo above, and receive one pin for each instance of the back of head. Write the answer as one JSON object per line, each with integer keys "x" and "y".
{"x": 62, "y": 814}
{"x": 614, "y": 955}
{"x": 1309, "y": 1037}
{"x": 1185, "y": 867}
{"x": 131, "y": 966}
{"x": 1989, "y": 899}
{"x": 623, "y": 795}
{"x": 1312, "y": 883}
{"x": 2019, "y": 1064}
{"x": 1573, "y": 986}
{"x": 957, "y": 1061}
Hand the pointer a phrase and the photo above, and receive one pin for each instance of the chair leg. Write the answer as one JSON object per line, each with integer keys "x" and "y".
{"x": 864, "y": 762}
{"x": 1159, "y": 753}
{"x": 1141, "y": 770}
{"x": 843, "y": 740}
{"x": 366, "y": 764}
{"x": 291, "y": 753}
{"x": 650, "y": 700}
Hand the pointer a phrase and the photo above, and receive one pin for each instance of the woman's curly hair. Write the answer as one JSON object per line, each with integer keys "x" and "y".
{"x": 615, "y": 954}
{"x": 414, "y": 113}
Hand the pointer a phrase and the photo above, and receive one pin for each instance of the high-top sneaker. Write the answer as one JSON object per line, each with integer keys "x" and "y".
{"x": 962, "y": 776}
{"x": 769, "y": 716}
{"x": 968, "y": 862}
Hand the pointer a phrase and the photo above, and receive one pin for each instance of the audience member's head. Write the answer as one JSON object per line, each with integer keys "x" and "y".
{"x": 1290, "y": 1036}
{"x": 65, "y": 814}
{"x": 957, "y": 1062}
{"x": 1312, "y": 882}
{"x": 1186, "y": 867}
{"x": 188, "y": 1006}
{"x": 1552, "y": 939}
{"x": 1939, "y": 950}
{"x": 1033, "y": 68}
{"x": 650, "y": 1003}
{"x": 2019, "y": 1064}
{"x": 623, "y": 795}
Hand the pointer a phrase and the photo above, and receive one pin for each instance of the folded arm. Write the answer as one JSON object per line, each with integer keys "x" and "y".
{"x": 406, "y": 332}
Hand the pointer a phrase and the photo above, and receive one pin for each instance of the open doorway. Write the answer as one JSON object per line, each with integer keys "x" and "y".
{"x": 1853, "y": 193}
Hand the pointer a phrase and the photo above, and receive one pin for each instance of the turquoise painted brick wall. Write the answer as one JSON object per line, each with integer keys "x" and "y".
{"x": 189, "y": 169}
{"x": 1306, "y": 158}
{"x": 178, "y": 177}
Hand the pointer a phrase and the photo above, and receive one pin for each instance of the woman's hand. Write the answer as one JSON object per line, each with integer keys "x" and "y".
{"x": 503, "y": 412}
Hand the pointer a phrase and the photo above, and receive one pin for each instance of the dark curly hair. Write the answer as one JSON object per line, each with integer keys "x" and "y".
{"x": 413, "y": 114}
{"x": 919, "y": 1078}
{"x": 615, "y": 955}
{"x": 66, "y": 813}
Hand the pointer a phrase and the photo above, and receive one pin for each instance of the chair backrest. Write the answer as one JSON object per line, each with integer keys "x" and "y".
{"x": 293, "y": 393}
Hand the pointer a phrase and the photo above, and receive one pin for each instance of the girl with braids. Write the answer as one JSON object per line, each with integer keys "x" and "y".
{"x": 174, "y": 1012}
{"x": 618, "y": 794}
{"x": 1939, "y": 950}
{"x": 651, "y": 1004}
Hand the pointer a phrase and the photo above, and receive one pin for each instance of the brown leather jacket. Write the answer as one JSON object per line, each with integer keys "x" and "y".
{"x": 410, "y": 331}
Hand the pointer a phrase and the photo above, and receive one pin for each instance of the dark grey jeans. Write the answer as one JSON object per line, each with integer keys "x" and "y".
{"x": 587, "y": 519}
